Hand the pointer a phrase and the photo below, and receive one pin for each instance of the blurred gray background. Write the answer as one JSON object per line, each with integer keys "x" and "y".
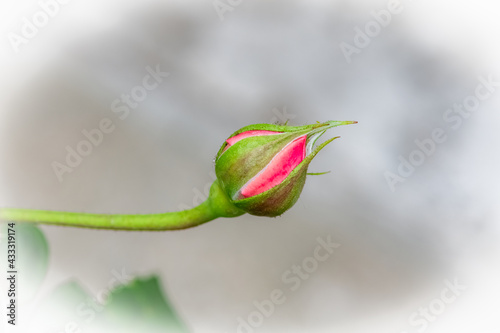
{"x": 266, "y": 62}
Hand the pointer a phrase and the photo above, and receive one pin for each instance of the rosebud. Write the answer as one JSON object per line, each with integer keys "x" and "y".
{"x": 262, "y": 168}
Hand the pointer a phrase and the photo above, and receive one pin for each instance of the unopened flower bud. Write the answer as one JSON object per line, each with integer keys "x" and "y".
{"x": 262, "y": 168}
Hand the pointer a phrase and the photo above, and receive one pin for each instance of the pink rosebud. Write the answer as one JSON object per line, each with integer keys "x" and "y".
{"x": 262, "y": 168}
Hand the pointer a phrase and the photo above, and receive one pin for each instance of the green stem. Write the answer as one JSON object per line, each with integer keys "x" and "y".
{"x": 217, "y": 205}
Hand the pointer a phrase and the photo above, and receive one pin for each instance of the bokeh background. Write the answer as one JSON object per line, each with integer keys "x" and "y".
{"x": 265, "y": 62}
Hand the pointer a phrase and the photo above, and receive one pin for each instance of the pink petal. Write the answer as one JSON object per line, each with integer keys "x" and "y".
{"x": 231, "y": 141}
{"x": 278, "y": 169}
{"x": 248, "y": 134}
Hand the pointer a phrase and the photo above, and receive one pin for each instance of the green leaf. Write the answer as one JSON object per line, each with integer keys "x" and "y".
{"x": 137, "y": 307}
{"x": 141, "y": 307}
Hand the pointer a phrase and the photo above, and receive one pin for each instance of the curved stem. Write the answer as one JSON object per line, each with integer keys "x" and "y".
{"x": 164, "y": 221}
{"x": 217, "y": 205}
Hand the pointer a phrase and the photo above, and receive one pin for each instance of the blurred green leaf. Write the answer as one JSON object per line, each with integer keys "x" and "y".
{"x": 141, "y": 307}
{"x": 137, "y": 307}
